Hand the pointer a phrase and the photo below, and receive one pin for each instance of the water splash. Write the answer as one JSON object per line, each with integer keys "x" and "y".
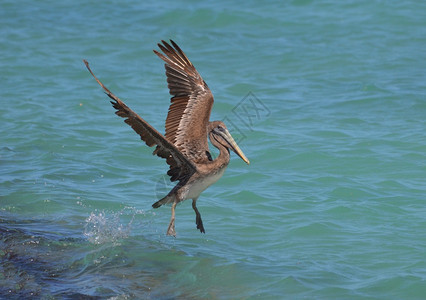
{"x": 107, "y": 227}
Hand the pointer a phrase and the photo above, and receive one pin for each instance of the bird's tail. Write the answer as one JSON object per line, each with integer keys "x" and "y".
{"x": 165, "y": 200}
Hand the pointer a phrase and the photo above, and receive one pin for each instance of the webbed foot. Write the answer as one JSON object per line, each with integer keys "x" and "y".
{"x": 171, "y": 230}
{"x": 198, "y": 220}
{"x": 199, "y": 223}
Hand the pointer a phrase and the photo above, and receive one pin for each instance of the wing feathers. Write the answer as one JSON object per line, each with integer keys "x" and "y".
{"x": 180, "y": 167}
{"x": 181, "y": 53}
{"x": 189, "y": 111}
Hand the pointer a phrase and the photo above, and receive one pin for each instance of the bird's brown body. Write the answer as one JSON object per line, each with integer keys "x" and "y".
{"x": 184, "y": 145}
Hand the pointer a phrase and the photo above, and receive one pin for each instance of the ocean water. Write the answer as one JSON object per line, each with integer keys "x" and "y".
{"x": 326, "y": 98}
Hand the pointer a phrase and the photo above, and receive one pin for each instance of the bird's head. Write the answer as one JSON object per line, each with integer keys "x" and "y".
{"x": 219, "y": 133}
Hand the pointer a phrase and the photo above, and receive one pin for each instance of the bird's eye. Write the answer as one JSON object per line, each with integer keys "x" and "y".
{"x": 220, "y": 128}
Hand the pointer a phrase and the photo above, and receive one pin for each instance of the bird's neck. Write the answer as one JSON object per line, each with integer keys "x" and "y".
{"x": 222, "y": 160}
{"x": 224, "y": 155}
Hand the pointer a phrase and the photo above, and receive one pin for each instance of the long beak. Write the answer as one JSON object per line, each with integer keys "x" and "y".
{"x": 228, "y": 137}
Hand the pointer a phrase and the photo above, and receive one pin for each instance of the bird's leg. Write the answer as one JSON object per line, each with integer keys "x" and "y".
{"x": 171, "y": 230}
{"x": 198, "y": 220}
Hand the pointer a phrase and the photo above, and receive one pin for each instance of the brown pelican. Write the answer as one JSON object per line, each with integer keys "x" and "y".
{"x": 184, "y": 146}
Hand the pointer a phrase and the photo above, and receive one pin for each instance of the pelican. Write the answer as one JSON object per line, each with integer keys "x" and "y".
{"x": 184, "y": 145}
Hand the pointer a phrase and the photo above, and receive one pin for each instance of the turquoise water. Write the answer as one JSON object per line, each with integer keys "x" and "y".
{"x": 326, "y": 98}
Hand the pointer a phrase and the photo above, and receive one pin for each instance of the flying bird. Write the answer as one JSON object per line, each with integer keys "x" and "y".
{"x": 184, "y": 145}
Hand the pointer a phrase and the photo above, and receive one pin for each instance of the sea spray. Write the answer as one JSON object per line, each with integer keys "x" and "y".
{"x": 108, "y": 227}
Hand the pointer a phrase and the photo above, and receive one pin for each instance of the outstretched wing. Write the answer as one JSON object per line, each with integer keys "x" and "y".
{"x": 191, "y": 104}
{"x": 180, "y": 167}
